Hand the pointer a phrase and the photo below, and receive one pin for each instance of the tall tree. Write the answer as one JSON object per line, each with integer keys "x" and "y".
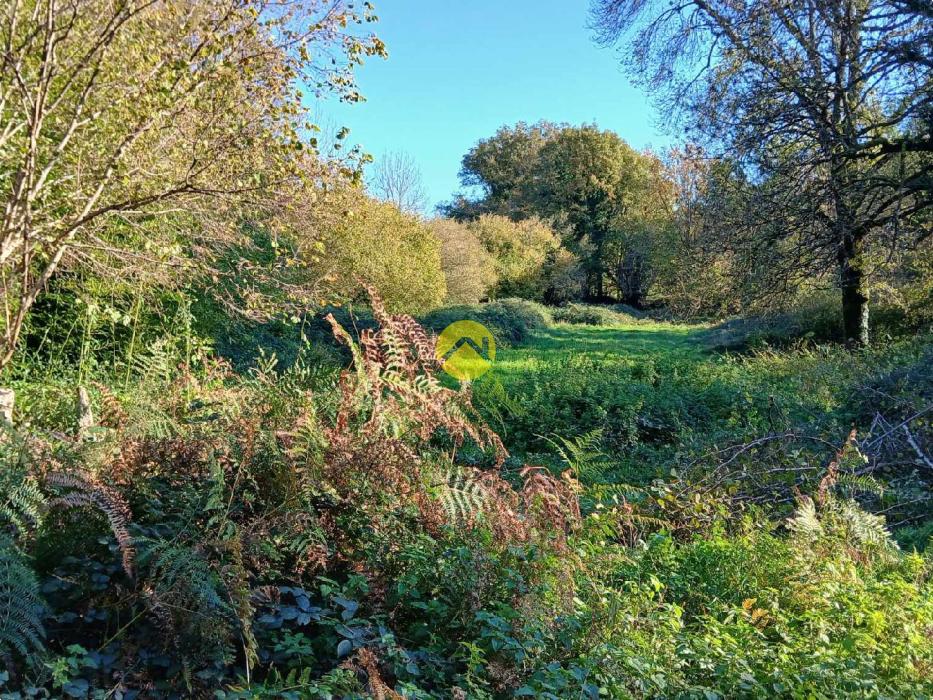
{"x": 826, "y": 104}
{"x": 586, "y": 178}
{"x": 121, "y": 110}
{"x": 397, "y": 179}
{"x": 502, "y": 170}
{"x": 608, "y": 192}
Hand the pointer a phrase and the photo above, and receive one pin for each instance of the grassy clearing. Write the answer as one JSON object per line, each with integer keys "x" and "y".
{"x": 660, "y": 398}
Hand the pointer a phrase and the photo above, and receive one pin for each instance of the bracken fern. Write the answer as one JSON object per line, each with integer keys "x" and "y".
{"x": 21, "y": 500}
{"x": 21, "y": 607}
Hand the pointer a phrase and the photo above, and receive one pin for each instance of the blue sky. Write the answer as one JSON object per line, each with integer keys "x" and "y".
{"x": 460, "y": 69}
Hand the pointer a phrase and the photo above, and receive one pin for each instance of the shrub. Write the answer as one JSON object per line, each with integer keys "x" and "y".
{"x": 375, "y": 242}
{"x": 266, "y": 524}
{"x": 470, "y": 272}
{"x": 526, "y": 254}
{"x": 592, "y": 315}
{"x": 511, "y": 321}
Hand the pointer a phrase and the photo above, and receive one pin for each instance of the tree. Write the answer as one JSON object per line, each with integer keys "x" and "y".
{"x": 697, "y": 274}
{"x": 588, "y": 179}
{"x": 521, "y": 251}
{"x": 469, "y": 270}
{"x": 351, "y": 237}
{"x": 608, "y": 193}
{"x": 825, "y": 104}
{"x": 120, "y": 112}
{"x": 398, "y": 180}
{"x": 503, "y": 168}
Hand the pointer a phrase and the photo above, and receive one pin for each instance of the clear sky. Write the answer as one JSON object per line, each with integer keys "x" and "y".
{"x": 459, "y": 69}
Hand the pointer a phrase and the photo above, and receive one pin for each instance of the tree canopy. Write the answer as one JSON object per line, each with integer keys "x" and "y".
{"x": 588, "y": 181}
{"x": 826, "y": 106}
{"x": 112, "y": 112}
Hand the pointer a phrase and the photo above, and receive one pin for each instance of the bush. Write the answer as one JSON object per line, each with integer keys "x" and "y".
{"x": 592, "y": 315}
{"x": 264, "y": 525}
{"x": 528, "y": 257}
{"x": 469, "y": 270}
{"x": 395, "y": 252}
{"x": 511, "y": 321}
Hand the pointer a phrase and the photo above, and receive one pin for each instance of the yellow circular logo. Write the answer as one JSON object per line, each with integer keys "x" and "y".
{"x": 466, "y": 350}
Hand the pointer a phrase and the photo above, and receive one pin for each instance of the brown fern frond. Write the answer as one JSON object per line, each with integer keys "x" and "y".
{"x": 832, "y": 470}
{"x": 365, "y": 661}
{"x": 82, "y": 490}
{"x": 112, "y": 413}
{"x": 551, "y": 501}
{"x": 393, "y": 404}
{"x": 502, "y": 509}
{"x": 236, "y": 580}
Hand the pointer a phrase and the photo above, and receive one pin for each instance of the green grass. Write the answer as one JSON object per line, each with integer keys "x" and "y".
{"x": 679, "y": 591}
{"x": 645, "y": 339}
{"x": 661, "y": 397}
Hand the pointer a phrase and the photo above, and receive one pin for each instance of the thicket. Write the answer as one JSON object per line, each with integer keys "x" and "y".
{"x": 312, "y": 532}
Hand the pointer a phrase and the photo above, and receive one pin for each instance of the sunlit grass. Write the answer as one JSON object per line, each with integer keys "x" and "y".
{"x": 659, "y": 393}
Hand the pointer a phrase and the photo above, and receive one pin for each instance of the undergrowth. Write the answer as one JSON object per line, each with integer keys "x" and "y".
{"x": 579, "y": 523}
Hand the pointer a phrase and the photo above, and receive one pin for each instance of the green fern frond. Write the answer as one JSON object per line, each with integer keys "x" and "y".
{"x": 22, "y": 505}
{"x": 853, "y": 485}
{"x": 460, "y": 494}
{"x": 185, "y": 596}
{"x": 805, "y": 522}
{"x": 582, "y": 454}
{"x": 21, "y": 608}
{"x": 614, "y": 494}
{"x": 22, "y": 502}
{"x": 156, "y": 365}
{"x": 863, "y": 529}
{"x": 844, "y": 522}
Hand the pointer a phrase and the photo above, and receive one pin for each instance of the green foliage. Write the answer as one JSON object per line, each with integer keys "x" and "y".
{"x": 510, "y": 320}
{"x": 523, "y": 253}
{"x": 375, "y": 242}
{"x": 612, "y": 200}
{"x": 300, "y": 534}
{"x": 460, "y": 494}
{"x": 469, "y": 270}
{"x": 583, "y": 455}
{"x": 754, "y": 612}
{"x": 282, "y": 497}
{"x": 21, "y": 608}
{"x": 22, "y": 503}
{"x": 592, "y": 315}
{"x": 187, "y": 601}
{"x": 109, "y": 163}
{"x": 841, "y": 523}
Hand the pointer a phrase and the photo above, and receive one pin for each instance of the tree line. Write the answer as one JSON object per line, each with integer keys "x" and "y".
{"x": 153, "y": 145}
{"x": 824, "y": 111}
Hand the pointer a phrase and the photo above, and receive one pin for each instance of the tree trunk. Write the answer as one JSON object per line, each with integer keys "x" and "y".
{"x": 599, "y": 268}
{"x": 854, "y": 291}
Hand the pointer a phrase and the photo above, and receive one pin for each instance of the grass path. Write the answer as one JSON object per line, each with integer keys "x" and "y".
{"x": 641, "y": 385}
{"x": 659, "y": 397}
{"x": 647, "y": 339}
